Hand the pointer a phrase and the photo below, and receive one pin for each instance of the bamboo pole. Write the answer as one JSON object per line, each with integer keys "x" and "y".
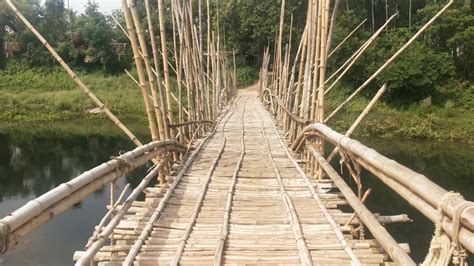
{"x": 379, "y": 232}
{"x": 389, "y": 61}
{"x": 197, "y": 207}
{"x": 351, "y": 61}
{"x": 346, "y": 38}
{"x": 361, "y": 117}
{"x": 156, "y": 214}
{"x": 162, "y": 125}
{"x": 164, "y": 51}
{"x": 333, "y": 23}
{"x": 76, "y": 79}
{"x": 34, "y": 213}
{"x": 417, "y": 183}
{"x": 88, "y": 256}
{"x": 160, "y": 113}
{"x": 303, "y": 250}
{"x": 335, "y": 226}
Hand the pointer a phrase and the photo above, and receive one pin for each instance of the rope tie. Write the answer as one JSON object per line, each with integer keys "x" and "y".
{"x": 123, "y": 166}
{"x": 442, "y": 249}
{"x": 5, "y": 232}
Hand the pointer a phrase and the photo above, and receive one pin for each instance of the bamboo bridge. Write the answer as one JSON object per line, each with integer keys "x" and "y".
{"x": 244, "y": 176}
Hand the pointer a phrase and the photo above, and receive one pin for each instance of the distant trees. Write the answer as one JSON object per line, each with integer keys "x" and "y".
{"x": 84, "y": 41}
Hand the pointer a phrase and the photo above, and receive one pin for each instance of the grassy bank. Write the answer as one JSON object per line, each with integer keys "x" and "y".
{"x": 39, "y": 95}
{"x": 449, "y": 120}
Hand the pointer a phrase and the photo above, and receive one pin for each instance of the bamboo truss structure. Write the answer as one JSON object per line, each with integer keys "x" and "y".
{"x": 240, "y": 196}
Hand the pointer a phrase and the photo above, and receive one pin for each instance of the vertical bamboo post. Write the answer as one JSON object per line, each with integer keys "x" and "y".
{"x": 164, "y": 52}
{"x": 76, "y": 79}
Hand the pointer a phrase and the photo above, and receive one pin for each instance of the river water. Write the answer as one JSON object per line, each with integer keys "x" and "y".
{"x": 34, "y": 159}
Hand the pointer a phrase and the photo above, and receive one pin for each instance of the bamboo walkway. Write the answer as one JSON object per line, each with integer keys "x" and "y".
{"x": 239, "y": 203}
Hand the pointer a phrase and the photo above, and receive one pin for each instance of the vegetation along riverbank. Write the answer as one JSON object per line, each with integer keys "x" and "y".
{"x": 430, "y": 86}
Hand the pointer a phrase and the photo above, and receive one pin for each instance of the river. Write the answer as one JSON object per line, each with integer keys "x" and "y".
{"x": 34, "y": 159}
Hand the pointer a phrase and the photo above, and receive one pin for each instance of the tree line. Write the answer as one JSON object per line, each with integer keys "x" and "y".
{"x": 445, "y": 54}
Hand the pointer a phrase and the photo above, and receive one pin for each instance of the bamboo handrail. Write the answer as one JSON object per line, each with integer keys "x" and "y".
{"x": 290, "y": 114}
{"x": 389, "y": 61}
{"x": 88, "y": 256}
{"x": 23, "y": 220}
{"x": 416, "y": 184}
{"x": 380, "y": 233}
{"x": 74, "y": 76}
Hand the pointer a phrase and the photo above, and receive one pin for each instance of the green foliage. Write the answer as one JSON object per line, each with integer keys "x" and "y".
{"x": 246, "y": 76}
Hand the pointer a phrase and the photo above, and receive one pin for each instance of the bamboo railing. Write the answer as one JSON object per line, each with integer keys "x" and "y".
{"x": 18, "y": 224}
{"x": 418, "y": 190}
{"x": 298, "y": 98}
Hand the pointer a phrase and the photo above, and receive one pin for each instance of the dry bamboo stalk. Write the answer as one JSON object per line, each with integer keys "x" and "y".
{"x": 389, "y": 61}
{"x": 333, "y": 23}
{"x": 337, "y": 230}
{"x": 107, "y": 216}
{"x": 152, "y": 115}
{"x": 164, "y": 51}
{"x": 191, "y": 122}
{"x": 156, "y": 71}
{"x": 304, "y": 254}
{"x": 364, "y": 198}
{"x": 73, "y": 75}
{"x": 197, "y": 207}
{"x": 346, "y": 38}
{"x": 417, "y": 183}
{"x": 23, "y": 220}
{"x": 225, "y": 227}
{"x": 162, "y": 124}
{"x": 88, "y": 256}
{"x": 360, "y": 118}
{"x": 351, "y": 61}
{"x": 379, "y": 232}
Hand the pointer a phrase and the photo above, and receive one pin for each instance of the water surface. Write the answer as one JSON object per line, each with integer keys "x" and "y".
{"x": 34, "y": 159}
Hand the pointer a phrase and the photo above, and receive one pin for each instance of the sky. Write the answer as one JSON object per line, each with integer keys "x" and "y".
{"x": 105, "y": 6}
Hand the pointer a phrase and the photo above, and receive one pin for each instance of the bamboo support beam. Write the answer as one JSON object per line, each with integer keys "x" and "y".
{"x": 190, "y": 123}
{"x": 197, "y": 207}
{"x": 73, "y": 75}
{"x": 410, "y": 182}
{"x": 361, "y": 117}
{"x": 351, "y": 61}
{"x": 346, "y": 38}
{"x": 314, "y": 194}
{"x": 36, "y": 212}
{"x": 88, "y": 256}
{"x": 379, "y": 232}
{"x": 389, "y": 61}
{"x": 228, "y": 206}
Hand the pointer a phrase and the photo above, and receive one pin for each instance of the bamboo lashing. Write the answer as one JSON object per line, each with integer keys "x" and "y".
{"x": 108, "y": 230}
{"x": 379, "y": 232}
{"x": 35, "y": 212}
{"x": 407, "y": 182}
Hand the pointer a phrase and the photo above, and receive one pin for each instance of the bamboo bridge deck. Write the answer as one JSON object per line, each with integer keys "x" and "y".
{"x": 239, "y": 203}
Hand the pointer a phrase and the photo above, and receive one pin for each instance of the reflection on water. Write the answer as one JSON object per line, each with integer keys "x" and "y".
{"x": 34, "y": 160}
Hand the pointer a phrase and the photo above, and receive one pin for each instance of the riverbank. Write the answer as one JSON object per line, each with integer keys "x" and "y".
{"x": 34, "y": 97}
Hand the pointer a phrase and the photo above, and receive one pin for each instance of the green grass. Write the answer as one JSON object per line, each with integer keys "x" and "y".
{"x": 451, "y": 120}
{"x": 39, "y": 95}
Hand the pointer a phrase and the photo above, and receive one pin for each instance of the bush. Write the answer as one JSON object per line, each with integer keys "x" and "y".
{"x": 246, "y": 76}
